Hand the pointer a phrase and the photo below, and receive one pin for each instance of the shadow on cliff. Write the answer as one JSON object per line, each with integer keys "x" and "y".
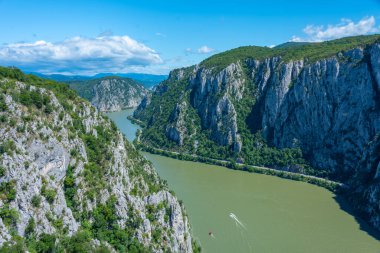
{"x": 364, "y": 226}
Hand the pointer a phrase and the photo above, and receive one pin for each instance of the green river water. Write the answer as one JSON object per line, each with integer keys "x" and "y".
{"x": 249, "y": 212}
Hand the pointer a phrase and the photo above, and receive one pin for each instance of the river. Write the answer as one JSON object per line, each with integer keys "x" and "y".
{"x": 249, "y": 212}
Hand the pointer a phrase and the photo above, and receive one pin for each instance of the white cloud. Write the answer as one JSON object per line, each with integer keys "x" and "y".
{"x": 201, "y": 50}
{"x": 296, "y": 39}
{"x": 346, "y": 28}
{"x": 80, "y": 55}
{"x": 205, "y": 50}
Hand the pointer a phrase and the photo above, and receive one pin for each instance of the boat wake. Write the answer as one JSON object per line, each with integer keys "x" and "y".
{"x": 243, "y": 230}
{"x": 237, "y": 221}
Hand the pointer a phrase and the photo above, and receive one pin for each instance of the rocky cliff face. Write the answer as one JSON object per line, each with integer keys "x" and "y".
{"x": 111, "y": 93}
{"x": 176, "y": 128}
{"x": 66, "y": 170}
{"x": 327, "y": 107}
{"x": 212, "y": 96}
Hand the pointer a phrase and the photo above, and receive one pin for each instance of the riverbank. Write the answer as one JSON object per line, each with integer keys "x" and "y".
{"x": 136, "y": 121}
{"x": 322, "y": 182}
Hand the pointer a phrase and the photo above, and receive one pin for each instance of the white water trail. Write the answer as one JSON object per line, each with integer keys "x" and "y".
{"x": 237, "y": 221}
{"x": 240, "y": 225}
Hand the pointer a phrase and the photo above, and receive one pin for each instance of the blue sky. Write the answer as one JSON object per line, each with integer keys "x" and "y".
{"x": 86, "y": 37}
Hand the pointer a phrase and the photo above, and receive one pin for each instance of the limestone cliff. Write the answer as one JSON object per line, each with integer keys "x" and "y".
{"x": 67, "y": 172}
{"x": 111, "y": 93}
{"x": 315, "y": 105}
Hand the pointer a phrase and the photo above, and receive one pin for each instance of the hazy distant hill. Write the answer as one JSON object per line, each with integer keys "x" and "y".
{"x": 147, "y": 80}
{"x": 111, "y": 93}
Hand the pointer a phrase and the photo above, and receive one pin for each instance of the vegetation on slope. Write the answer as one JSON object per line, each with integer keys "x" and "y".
{"x": 147, "y": 80}
{"x": 101, "y": 223}
{"x": 255, "y": 150}
{"x": 85, "y": 88}
{"x": 310, "y": 51}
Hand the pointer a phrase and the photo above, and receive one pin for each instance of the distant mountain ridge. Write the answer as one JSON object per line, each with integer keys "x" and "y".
{"x": 110, "y": 93}
{"x": 147, "y": 80}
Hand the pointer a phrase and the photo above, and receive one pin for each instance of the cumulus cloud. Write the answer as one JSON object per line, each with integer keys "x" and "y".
{"x": 345, "y": 28}
{"x": 80, "y": 55}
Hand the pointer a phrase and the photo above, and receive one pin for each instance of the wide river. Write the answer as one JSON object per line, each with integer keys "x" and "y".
{"x": 249, "y": 212}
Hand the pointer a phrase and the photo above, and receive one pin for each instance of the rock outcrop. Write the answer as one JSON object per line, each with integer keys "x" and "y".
{"x": 176, "y": 129}
{"x": 218, "y": 114}
{"x": 65, "y": 169}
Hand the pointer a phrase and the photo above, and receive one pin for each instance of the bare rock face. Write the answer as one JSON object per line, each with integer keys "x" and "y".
{"x": 60, "y": 167}
{"x": 274, "y": 78}
{"x": 212, "y": 95}
{"x": 313, "y": 105}
{"x": 177, "y": 129}
{"x": 331, "y": 111}
{"x": 110, "y": 94}
{"x": 116, "y": 95}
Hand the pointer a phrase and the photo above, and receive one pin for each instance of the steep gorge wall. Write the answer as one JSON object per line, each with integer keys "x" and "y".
{"x": 63, "y": 164}
{"x": 110, "y": 93}
{"x": 115, "y": 95}
{"x": 329, "y": 108}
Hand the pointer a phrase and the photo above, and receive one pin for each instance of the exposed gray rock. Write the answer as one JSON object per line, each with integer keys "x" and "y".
{"x": 115, "y": 95}
{"x": 218, "y": 112}
{"x": 44, "y": 149}
{"x": 177, "y": 220}
{"x": 111, "y": 93}
{"x": 177, "y": 130}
